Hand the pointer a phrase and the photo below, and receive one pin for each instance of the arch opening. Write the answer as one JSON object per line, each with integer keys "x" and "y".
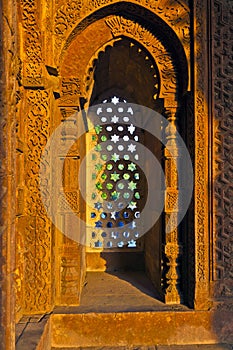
{"x": 124, "y": 72}
{"x": 114, "y": 73}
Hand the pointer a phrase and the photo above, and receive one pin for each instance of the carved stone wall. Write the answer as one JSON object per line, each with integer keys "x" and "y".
{"x": 8, "y": 87}
{"x": 223, "y": 148}
{"x": 201, "y": 160}
{"x": 37, "y": 230}
{"x": 46, "y": 30}
{"x": 34, "y": 235}
{"x": 68, "y": 14}
{"x": 71, "y": 19}
{"x": 68, "y": 80}
{"x": 32, "y": 43}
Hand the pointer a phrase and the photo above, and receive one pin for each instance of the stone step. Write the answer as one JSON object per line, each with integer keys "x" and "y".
{"x": 127, "y": 330}
{"x": 157, "y": 347}
{"x": 103, "y": 331}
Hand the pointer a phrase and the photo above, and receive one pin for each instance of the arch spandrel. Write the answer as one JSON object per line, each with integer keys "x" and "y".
{"x": 81, "y": 50}
{"x": 106, "y": 30}
{"x": 176, "y": 14}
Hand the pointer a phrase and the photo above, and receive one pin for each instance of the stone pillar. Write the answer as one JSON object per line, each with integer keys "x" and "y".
{"x": 70, "y": 253}
{"x": 172, "y": 247}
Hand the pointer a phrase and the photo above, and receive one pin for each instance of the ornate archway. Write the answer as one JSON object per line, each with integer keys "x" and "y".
{"x": 77, "y": 84}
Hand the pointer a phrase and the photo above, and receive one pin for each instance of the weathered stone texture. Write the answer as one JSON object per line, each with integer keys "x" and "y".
{"x": 8, "y": 72}
{"x": 223, "y": 147}
{"x": 69, "y": 37}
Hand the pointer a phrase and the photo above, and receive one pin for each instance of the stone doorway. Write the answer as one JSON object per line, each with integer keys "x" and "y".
{"x": 131, "y": 59}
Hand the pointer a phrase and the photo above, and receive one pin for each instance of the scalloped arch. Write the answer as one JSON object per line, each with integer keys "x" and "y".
{"x": 170, "y": 78}
{"x": 70, "y": 15}
{"x": 89, "y": 79}
{"x": 173, "y": 20}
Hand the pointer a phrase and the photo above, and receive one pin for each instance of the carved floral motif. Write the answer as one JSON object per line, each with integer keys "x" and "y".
{"x": 67, "y": 16}
{"x": 201, "y": 195}
{"x": 70, "y": 87}
{"x": 175, "y": 13}
{"x": 33, "y": 69}
{"x": 37, "y": 236}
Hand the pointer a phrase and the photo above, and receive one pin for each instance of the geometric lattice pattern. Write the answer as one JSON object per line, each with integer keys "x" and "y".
{"x": 223, "y": 138}
{"x": 116, "y": 180}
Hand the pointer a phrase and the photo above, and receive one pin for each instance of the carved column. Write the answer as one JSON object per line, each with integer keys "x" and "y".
{"x": 172, "y": 247}
{"x": 70, "y": 254}
{"x": 35, "y": 122}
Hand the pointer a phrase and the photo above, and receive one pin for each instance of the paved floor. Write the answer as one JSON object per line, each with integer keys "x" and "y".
{"x": 119, "y": 292}
{"x": 107, "y": 292}
{"x": 29, "y": 331}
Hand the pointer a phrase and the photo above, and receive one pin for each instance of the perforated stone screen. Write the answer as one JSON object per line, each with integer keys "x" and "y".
{"x": 117, "y": 184}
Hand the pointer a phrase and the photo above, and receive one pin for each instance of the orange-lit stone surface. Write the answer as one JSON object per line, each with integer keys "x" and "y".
{"x": 51, "y": 54}
{"x": 125, "y": 329}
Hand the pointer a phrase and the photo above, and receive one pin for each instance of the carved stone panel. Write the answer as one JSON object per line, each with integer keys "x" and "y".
{"x": 37, "y": 230}
{"x": 32, "y": 44}
{"x": 70, "y": 91}
{"x": 175, "y": 13}
{"x": 201, "y": 195}
{"x": 223, "y": 148}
